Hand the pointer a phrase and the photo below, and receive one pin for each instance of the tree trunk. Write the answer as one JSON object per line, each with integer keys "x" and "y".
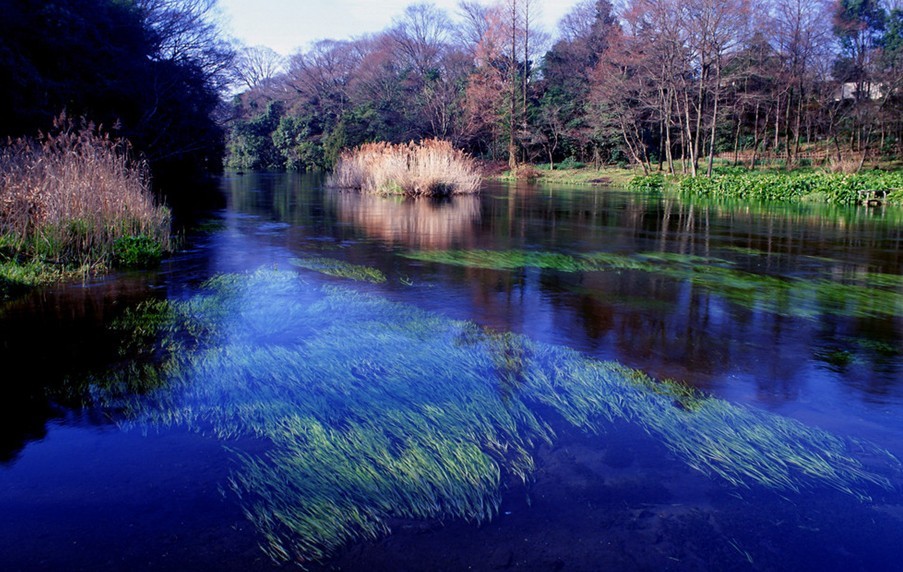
{"x": 689, "y": 135}
{"x": 714, "y": 118}
{"x": 667, "y": 116}
{"x": 512, "y": 148}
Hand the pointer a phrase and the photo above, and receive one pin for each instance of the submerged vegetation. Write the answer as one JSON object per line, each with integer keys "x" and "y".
{"x": 340, "y": 269}
{"x": 373, "y": 411}
{"x": 430, "y": 168}
{"x": 75, "y": 200}
{"x": 867, "y": 296}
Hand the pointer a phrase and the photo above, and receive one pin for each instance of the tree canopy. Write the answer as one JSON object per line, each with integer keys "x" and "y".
{"x": 146, "y": 70}
{"x": 660, "y": 83}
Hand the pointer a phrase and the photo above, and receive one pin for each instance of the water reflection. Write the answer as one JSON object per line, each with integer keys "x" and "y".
{"x": 358, "y": 372}
{"x": 415, "y": 224}
{"x": 50, "y": 337}
{"x": 761, "y": 292}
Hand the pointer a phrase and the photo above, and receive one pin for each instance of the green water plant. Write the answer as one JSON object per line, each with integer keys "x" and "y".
{"x": 340, "y": 269}
{"x": 794, "y": 186}
{"x": 873, "y": 295}
{"x": 647, "y": 183}
{"x": 371, "y": 411}
{"x": 137, "y": 251}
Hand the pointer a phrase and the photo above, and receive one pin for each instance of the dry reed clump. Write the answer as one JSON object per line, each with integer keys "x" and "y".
{"x": 848, "y": 165}
{"x": 68, "y": 198}
{"x": 429, "y": 168}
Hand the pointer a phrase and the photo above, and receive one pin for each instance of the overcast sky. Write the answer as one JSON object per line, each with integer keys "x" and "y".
{"x": 286, "y": 25}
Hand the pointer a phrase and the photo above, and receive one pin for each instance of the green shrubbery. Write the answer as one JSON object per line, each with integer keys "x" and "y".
{"x": 835, "y": 188}
{"x": 647, "y": 183}
{"x": 137, "y": 251}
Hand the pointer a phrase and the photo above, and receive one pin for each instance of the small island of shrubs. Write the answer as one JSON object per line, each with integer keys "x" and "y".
{"x": 429, "y": 168}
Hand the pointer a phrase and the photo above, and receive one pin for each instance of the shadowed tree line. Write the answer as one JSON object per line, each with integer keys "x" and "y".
{"x": 665, "y": 84}
{"x": 150, "y": 71}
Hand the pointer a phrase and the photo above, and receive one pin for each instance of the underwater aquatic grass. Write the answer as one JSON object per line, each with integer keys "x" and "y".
{"x": 340, "y": 269}
{"x": 373, "y": 410}
{"x": 876, "y": 295}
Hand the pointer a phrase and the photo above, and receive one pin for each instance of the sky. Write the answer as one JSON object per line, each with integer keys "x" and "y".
{"x": 289, "y": 25}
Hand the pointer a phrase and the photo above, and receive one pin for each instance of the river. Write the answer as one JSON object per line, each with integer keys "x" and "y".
{"x": 535, "y": 378}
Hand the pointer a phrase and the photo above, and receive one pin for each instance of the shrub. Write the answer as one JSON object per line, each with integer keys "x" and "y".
{"x": 432, "y": 167}
{"x": 838, "y": 188}
{"x": 647, "y": 183}
{"x": 571, "y": 163}
{"x": 70, "y": 198}
{"x": 136, "y": 252}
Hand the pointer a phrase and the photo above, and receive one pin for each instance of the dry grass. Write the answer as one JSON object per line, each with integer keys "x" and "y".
{"x": 429, "y": 168}
{"x": 67, "y": 198}
{"x": 848, "y": 164}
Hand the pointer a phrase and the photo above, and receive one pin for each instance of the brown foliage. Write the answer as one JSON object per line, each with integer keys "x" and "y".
{"x": 67, "y": 197}
{"x": 429, "y": 168}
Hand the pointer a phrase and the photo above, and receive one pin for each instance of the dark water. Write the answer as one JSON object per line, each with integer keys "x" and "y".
{"x": 472, "y": 376}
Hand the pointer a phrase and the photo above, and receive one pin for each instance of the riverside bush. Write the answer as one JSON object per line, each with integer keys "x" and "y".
{"x": 75, "y": 199}
{"x": 647, "y": 183}
{"x": 838, "y": 188}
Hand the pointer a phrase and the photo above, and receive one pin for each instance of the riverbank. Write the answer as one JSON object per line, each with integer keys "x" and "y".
{"x": 618, "y": 177}
{"x": 786, "y": 186}
{"x": 804, "y": 185}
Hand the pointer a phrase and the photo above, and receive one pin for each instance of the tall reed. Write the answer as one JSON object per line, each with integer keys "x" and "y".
{"x": 70, "y": 199}
{"x": 429, "y": 168}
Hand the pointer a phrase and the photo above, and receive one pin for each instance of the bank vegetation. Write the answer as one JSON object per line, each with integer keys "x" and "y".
{"x": 75, "y": 201}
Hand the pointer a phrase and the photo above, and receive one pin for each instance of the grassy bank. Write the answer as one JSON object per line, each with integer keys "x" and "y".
{"x": 727, "y": 182}
{"x": 74, "y": 202}
{"x": 618, "y": 177}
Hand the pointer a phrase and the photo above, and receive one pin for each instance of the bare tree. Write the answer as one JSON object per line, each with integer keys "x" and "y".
{"x": 257, "y": 65}
{"x": 323, "y": 73}
{"x": 422, "y": 36}
{"x": 189, "y": 31}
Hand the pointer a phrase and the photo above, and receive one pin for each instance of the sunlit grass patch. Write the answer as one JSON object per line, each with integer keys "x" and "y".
{"x": 340, "y": 269}
{"x": 19, "y": 277}
{"x": 373, "y": 410}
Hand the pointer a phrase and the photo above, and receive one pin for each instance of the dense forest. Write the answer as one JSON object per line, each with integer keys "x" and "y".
{"x": 665, "y": 84}
{"x": 149, "y": 71}
{"x": 659, "y": 83}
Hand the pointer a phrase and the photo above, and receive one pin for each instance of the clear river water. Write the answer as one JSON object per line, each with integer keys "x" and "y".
{"x": 535, "y": 378}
